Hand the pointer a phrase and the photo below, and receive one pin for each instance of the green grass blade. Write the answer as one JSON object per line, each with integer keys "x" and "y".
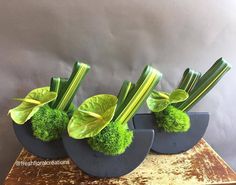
{"x": 126, "y": 88}
{"x": 57, "y": 84}
{"x": 67, "y": 94}
{"x": 143, "y": 98}
{"x": 189, "y": 80}
{"x": 132, "y": 92}
{"x": 146, "y": 83}
{"x": 205, "y": 84}
{"x": 212, "y": 70}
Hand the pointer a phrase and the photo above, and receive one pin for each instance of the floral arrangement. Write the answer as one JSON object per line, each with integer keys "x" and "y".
{"x": 170, "y": 109}
{"x": 49, "y": 109}
{"x": 101, "y": 119}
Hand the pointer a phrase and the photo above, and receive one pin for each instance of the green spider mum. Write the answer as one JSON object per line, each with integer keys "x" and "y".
{"x": 112, "y": 140}
{"x": 172, "y": 119}
{"x": 48, "y": 124}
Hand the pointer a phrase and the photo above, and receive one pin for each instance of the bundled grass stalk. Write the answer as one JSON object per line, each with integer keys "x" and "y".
{"x": 67, "y": 94}
{"x": 189, "y": 80}
{"x": 205, "y": 83}
{"x": 126, "y": 88}
{"x": 146, "y": 83}
{"x": 57, "y": 85}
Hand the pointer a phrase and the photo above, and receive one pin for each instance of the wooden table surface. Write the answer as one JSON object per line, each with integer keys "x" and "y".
{"x": 200, "y": 165}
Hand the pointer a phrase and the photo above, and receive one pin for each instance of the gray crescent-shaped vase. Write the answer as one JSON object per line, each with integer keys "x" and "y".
{"x": 48, "y": 150}
{"x": 99, "y": 165}
{"x": 174, "y": 143}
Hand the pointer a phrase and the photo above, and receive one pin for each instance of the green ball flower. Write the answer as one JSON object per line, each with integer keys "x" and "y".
{"x": 112, "y": 140}
{"x": 48, "y": 124}
{"x": 173, "y": 120}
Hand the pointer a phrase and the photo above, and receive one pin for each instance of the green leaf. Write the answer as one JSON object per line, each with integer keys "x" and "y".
{"x": 66, "y": 95}
{"x": 125, "y": 89}
{"x": 205, "y": 83}
{"x": 189, "y": 80}
{"x": 178, "y": 95}
{"x": 157, "y": 105}
{"x": 146, "y": 83}
{"x": 56, "y": 85}
{"x": 28, "y": 107}
{"x": 92, "y": 116}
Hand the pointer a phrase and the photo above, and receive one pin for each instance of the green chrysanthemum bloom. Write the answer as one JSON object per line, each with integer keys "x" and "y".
{"x": 112, "y": 140}
{"x": 48, "y": 124}
{"x": 173, "y": 120}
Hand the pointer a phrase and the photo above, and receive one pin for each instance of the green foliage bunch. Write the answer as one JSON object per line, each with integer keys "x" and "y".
{"x": 172, "y": 119}
{"x": 168, "y": 117}
{"x": 48, "y": 124}
{"x": 112, "y": 140}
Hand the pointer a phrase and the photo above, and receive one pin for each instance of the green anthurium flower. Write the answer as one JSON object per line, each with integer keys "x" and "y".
{"x": 178, "y": 95}
{"x": 94, "y": 114}
{"x": 157, "y": 105}
{"x": 158, "y": 101}
{"x": 31, "y": 104}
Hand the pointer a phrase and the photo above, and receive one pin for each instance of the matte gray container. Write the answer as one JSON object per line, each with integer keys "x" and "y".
{"x": 174, "y": 143}
{"x": 99, "y": 165}
{"x": 47, "y": 150}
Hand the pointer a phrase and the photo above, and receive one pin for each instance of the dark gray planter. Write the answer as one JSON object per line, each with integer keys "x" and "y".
{"x": 48, "y": 150}
{"x": 99, "y": 165}
{"x": 174, "y": 143}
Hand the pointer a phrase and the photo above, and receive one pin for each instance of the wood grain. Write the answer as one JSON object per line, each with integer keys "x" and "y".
{"x": 200, "y": 165}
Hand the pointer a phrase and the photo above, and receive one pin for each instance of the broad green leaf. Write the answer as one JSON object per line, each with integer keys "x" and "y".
{"x": 92, "y": 116}
{"x": 178, "y": 95}
{"x": 157, "y": 105}
{"x": 29, "y": 107}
